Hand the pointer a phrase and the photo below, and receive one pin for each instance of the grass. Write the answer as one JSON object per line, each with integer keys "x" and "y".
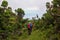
{"x": 38, "y": 35}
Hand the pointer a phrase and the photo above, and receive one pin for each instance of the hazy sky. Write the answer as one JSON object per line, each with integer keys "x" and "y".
{"x": 31, "y": 7}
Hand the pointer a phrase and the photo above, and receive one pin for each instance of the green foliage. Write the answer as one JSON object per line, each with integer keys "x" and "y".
{"x": 10, "y": 26}
{"x": 56, "y": 2}
{"x": 47, "y": 4}
{"x": 20, "y": 12}
{"x": 4, "y": 3}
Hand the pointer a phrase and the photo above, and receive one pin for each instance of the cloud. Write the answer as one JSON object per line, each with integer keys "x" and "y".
{"x": 31, "y": 7}
{"x": 27, "y": 3}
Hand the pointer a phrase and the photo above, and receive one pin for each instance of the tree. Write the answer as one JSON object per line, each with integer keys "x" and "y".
{"x": 48, "y": 5}
{"x": 20, "y": 13}
{"x": 7, "y": 21}
{"x": 4, "y": 4}
{"x": 56, "y": 12}
{"x": 52, "y": 17}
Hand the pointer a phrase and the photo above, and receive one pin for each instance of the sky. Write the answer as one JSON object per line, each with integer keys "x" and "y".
{"x": 30, "y": 7}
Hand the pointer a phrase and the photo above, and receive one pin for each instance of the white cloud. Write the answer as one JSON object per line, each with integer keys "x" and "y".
{"x": 29, "y": 6}
{"x": 27, "y": 3}
{"x": 32, "y": 8}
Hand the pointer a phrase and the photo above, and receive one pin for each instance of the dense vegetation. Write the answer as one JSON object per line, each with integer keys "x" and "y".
{"x": 14, "y": 27}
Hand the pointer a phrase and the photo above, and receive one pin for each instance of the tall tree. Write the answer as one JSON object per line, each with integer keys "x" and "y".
{"x": 56, "y": 12}
{"x": 4, "y": 4}
{"x": 20, "y": 13}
